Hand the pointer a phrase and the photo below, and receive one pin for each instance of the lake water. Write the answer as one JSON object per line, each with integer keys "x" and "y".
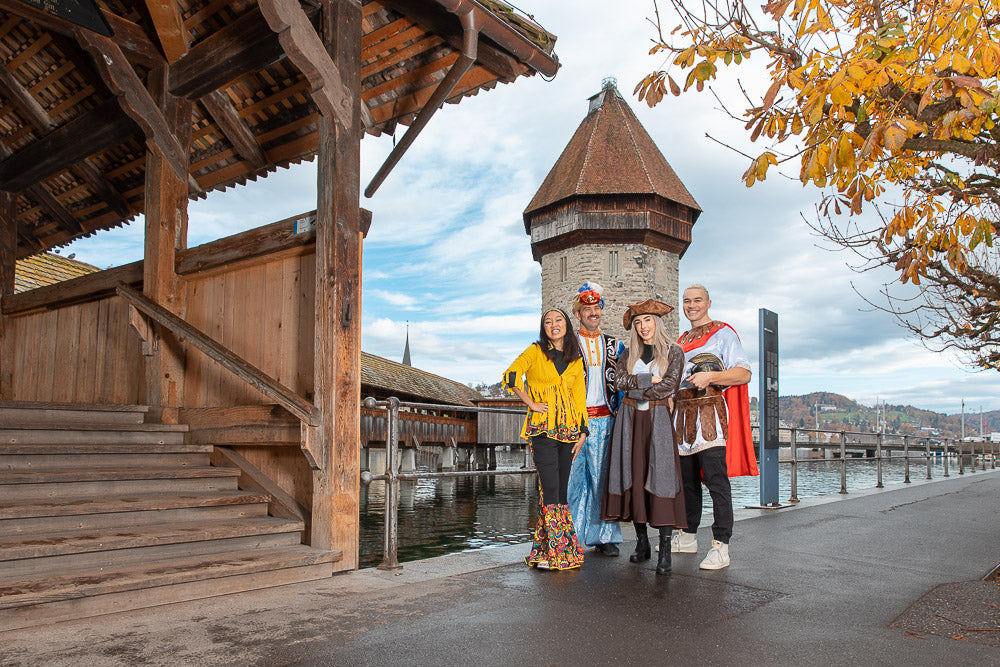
{"x": 447, "y": 515}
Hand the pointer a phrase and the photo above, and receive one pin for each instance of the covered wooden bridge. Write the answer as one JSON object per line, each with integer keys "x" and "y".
{"x": 116, "y": 386}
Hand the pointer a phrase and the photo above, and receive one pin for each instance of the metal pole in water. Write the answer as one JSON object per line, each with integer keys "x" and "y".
{"x": 390, "y": 543}
{"x": 928, "y": 456}
{"x": 944, "y": 457}
{"x": 961, "y": 463}
{"x": 878, "y": 461}
{"x": 843, "y": 461}
{"x": 906, "y": 459}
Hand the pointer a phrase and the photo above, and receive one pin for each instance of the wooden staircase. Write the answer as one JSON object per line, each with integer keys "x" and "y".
{"x": 101, "y": 512}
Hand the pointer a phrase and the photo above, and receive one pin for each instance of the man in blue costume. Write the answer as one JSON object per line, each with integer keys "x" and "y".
{"x": 586, "y": 478}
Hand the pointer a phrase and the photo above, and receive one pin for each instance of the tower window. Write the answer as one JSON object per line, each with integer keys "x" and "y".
{"x": 613, "y": 270}
{"x": 563, "y": 269}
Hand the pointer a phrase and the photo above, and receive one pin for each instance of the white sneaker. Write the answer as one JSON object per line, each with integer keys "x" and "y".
{"x": 683, "y": 543}
{"x": 717, "y": 558}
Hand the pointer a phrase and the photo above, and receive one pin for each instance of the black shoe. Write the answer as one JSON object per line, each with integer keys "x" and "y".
{"x": 642, "y": 550}
{"x": 607, "y": 549}
{"x": 663, "y": 560}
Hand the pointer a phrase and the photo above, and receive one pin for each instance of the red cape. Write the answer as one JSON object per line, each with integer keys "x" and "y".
{"x": 741, "y": 459}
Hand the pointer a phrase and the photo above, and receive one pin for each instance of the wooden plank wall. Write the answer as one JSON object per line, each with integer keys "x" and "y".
{"x": 263, "y": 311}
{"x": 81, "y": 353}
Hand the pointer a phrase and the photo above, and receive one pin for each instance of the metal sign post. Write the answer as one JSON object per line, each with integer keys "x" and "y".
{"x": 768, "y": 407}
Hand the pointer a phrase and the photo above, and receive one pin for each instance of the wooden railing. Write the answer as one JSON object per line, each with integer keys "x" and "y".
{"x": 222, "y": 355}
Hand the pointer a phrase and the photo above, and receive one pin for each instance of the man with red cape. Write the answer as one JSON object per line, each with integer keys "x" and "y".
{"x": 712, "y": 422}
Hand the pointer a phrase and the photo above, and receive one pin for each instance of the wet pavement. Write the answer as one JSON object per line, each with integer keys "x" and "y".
{"x": 878, "y": 577}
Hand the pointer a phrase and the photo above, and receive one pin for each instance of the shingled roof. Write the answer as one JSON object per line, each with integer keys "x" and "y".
{"x": 410, "y": 383}
{"x": 47, "y": 269}
{"x": 610, "y": 153}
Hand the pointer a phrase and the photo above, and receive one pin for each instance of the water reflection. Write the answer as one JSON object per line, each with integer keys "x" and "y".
{"x": 447, "y": 515}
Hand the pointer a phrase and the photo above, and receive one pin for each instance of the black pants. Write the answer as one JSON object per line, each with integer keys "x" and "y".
{"x": 553, "y": 460}
{"x": 708, "y": 466}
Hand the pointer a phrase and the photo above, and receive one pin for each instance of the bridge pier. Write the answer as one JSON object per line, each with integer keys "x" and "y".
{"x": 448, "y": 459}
{"x": 407, "y": 460}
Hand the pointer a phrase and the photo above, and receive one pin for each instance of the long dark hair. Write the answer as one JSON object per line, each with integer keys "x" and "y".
{"x": 571, "y": 346}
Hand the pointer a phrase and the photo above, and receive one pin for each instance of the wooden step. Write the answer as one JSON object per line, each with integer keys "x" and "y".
{"x": 254, "y": 505}
{"x": 99, "y": 448}
{"x": 98, "y": 434}
{"x": 143, "y": 481}
{"x": 10, "y": 462}
{"x": 40, "y": 545}
{"x": 70, "y": 505}
{"x": 71, "y": 413}
{"x": 69, "y": 596}
{"x": 67, "y": 475}
{"x": 13, "y": 571}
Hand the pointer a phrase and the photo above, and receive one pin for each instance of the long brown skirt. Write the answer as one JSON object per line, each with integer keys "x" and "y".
{"x": 637, "y": 504}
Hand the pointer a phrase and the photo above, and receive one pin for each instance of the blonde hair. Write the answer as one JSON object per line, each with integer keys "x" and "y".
{"x": 661, "y": 347}
{"x": 698, "y": 286}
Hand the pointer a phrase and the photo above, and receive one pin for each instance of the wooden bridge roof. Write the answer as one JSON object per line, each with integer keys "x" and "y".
{"x": 408, "y": 383}
{"x": 77, "y": 111}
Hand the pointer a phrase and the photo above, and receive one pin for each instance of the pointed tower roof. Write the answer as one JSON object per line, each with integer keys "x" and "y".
{"x": 610, "y": 153}
{"x": 406, "y": 349}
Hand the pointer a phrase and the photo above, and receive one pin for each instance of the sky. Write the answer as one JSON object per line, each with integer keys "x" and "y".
{"x": 447, "y": 256}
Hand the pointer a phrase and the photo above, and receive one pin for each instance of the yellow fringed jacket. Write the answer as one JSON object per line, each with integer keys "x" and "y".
{"x": 565, "y": 395}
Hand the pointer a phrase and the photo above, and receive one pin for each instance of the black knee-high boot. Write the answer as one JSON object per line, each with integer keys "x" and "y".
{"x": 642, "y": 550}
{"x": 663, "y": 560}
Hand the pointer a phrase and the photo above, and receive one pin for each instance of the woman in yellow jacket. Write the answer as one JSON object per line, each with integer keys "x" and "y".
{"x": 549, "y": 378}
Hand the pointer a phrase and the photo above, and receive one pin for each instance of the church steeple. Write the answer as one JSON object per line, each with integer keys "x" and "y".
{"x": 406, "y": 348}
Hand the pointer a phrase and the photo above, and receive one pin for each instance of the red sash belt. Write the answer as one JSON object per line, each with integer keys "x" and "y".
{"x": 598, "y": 411}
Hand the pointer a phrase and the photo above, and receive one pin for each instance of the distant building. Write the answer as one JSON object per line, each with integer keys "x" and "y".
{"x": 47, "y": 268}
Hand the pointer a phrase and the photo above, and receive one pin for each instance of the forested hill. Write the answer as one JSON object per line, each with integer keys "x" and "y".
{"x": 836, "y": 411}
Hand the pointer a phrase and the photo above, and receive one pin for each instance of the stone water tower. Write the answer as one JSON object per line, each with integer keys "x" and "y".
{"x": 613, "y": 211}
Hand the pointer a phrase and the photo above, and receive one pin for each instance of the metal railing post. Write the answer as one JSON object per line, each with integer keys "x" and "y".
{"x": 944, "y": 456}
{"x": 961, "y": 463}
{"x": 927, "y": 454}
{"x": 878, "y": 461}
{"x": 906, "y": 459}
{"x": 983, "y": 458}
{"x": 843, "y": 461}
{"x": 793, "y": 472}
{"x": 390, "y": 544}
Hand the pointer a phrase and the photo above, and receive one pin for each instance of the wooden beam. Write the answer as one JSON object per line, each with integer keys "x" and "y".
{"x": 305, "y": 48}
{"x": 97, "y": 130}
{"x": 48, "y": 202}
{"x": 103, "y": 188}
{"x": 134, "y": 99}
{"x": 246, "y": 45}
{"x": 337, "y": 381}
{"x": 90, "y": 287}
{"x": 447, "y": 27}
{"x": 165, "y": 212}
{"x": 8, "y": 248}
{"x": 220, "y": 107}
{"x": 54, "y": 208}
{"x": 25, "y": 103}
{"x": 169, "y": 25}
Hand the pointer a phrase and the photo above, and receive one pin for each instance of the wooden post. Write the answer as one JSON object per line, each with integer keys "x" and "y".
{"x": 8, "y": 254}
{"x": 166, "y": 226}
{"x": 337, "y": 381}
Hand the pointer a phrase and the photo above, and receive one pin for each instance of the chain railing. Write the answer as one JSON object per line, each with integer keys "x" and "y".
{"x": 879, "y": 444}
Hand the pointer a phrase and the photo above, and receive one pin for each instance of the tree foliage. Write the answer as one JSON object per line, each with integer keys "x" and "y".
{"x": 891, "y": 108}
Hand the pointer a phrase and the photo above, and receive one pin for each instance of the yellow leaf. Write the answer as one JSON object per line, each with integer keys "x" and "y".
{"x": 894, "y": 138}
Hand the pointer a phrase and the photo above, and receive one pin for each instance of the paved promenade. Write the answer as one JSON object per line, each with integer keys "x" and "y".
{"x": 879, "y": 578}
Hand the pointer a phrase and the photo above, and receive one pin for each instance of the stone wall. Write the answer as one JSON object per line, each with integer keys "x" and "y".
{"x": 642, "y": 272}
